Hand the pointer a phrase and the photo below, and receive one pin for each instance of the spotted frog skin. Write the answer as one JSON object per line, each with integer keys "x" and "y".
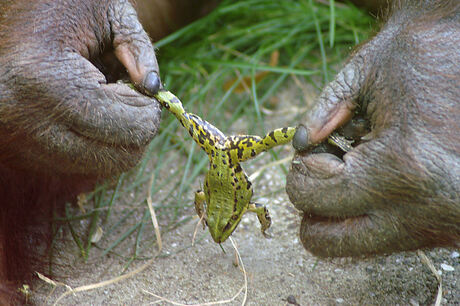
{"x": 227, "y": 191}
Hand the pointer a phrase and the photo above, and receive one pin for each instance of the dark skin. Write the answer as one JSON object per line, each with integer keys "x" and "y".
{"x": 64, "y": 124}
{"x": 398, "y": 97}
{"x": 76, "y": 121}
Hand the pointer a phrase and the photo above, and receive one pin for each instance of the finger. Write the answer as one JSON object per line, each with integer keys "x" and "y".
{"x": 110, "y": 113}
{"x": 350, "y": 204}
{"x": 356, "y": 237}
{"x": 78, "y": 124}
{"x": 133, "y": 47}
{"x": 59, "y": 149}
{"x": 335, "y": 105}
{"x": 324, "y": 184}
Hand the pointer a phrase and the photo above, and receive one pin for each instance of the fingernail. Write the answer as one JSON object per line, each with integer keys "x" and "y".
{"x": 300, "y": 140}
{"x": 152, "y": 83}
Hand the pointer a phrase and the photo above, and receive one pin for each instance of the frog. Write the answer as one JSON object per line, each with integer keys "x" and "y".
{"x": 227, "y": 191}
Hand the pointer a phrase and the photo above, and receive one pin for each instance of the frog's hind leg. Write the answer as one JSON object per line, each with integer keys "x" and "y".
{"x": 200, "y": 199}
{"x": 263, "y": 215}
{"x": 275, "y": 138}
{"x": 244, "y": 147}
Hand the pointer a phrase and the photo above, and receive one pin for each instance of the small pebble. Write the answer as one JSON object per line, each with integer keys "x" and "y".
{"x": 454, "y": 254}
{"x": 447, "y": 267}
{"x": 339, "y": 300}
{"x": 291, "y": 300}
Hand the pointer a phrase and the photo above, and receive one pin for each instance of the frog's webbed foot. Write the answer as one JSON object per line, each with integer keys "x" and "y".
{"x": 263, "y": 215}
{"x": 200, "y": 199}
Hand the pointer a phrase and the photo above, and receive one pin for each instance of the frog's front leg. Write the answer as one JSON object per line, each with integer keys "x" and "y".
{"x": 200, "y": 198}
{"x": 263, "y": 215}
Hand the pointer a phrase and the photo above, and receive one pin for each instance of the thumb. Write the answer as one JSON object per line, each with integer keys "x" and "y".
{"x": 133, "y": 47}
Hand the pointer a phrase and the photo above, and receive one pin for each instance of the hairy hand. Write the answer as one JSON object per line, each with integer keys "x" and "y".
{"x": 399, "y": 187}
{"x": 59, "y": 111}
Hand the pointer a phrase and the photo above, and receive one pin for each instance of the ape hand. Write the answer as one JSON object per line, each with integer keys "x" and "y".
{"x": 399, "y": 187}
{"x": 58, "y": 108}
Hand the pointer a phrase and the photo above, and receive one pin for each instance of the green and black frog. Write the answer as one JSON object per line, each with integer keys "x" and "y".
{"x": 227, "y": 191}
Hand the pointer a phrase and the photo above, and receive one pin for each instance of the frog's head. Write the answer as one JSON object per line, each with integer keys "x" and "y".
{"x": 170, "y": 102}
{"x": 221, "y": 228}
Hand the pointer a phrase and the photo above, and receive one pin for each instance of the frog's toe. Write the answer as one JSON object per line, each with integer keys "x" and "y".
{"x": 205, "y": 223}
{"x": 263, "y": 215}
{"x": 267, "y": 235}
{"x": 199, "y": 205}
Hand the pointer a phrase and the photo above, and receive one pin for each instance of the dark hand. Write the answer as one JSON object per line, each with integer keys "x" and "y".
{"x": 399, "y": 188}
{"x": 58, "y": 109}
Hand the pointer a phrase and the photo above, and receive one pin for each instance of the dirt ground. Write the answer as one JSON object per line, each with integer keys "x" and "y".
{"x": 279, "y": 271}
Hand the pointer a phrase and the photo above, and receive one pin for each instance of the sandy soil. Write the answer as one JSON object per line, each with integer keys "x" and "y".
{"x": 279, "y": 271}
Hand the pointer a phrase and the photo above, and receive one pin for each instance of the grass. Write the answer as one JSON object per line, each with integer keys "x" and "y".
{"x": 234, "y": 42}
